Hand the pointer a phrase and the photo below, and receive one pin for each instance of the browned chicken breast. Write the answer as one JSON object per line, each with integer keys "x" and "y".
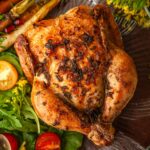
{"x": 81, "y": 76}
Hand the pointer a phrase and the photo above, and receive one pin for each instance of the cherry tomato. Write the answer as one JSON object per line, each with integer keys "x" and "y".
{"x": 8, "y": 141}
{"x": 8, "y": 75}
{"x": 48, "y": 141}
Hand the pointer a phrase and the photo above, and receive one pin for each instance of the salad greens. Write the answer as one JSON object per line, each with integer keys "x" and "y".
{"x": 18, "y": 117}
{"x": 16, "y": 112}
{"x": 13, "y": 59}
{"x": 2, "y": 17}
{"x": 71, "y": 140}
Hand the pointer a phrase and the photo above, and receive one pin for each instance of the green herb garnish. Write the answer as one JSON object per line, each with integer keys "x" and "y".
{"x": 2, "y": 33}
{"x": 2, "y": 39}
{"x": 139, "y": 10}
{"x": 3, "y": 47}
{"x": 2, "y": 17}
{"x": 16, "y": 112}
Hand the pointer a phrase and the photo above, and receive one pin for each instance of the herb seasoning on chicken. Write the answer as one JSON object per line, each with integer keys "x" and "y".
{"x": 83, "y": 53}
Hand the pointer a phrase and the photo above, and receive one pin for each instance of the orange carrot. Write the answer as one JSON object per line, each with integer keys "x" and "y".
{"x": 4, "y": 23}
{"x": 5, "y": 5}
{"x": 24, "y": 17}
{"x": 40, "y": 14}
{"x": 30, "y": 12}
{"x": 16, "y": 12}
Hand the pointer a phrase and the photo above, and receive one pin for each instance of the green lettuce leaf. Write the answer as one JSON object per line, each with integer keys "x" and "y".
{"x": 15, "y": 109}
{"x": 13, "y": 59}
{"x": 30, "y": 140}
{"x": 71, "y": 140}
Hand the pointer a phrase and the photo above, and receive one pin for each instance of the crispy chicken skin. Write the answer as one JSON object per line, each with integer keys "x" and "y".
{"x": 78, "y": 68}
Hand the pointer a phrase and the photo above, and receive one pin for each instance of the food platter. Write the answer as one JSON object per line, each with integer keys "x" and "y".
{"x": 132, "y": 126}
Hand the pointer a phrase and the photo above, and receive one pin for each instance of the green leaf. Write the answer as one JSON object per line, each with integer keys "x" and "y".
{"x": 2, "y": 17}
{"x": 57, "y": 131}
{"x": 12, "y": 119}
{"x": 29, "y": 109}
{"x": 2, "y": 33}
{"x": 141, "y": 4}
{"x": 30, "y": 140}
{"x": 28, "y": 126}
{"x": 71, "y": 140}
{"x": 3, "y": 47}
{"x": 13, "y": 59}
{"x": 5, "y": 124}
{"x": 2, "y": 39}
{"x": 16, "y": 108}
{"x": 27, "y": 114}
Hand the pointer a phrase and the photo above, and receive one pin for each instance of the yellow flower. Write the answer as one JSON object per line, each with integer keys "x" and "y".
{"x": 22, "y": 82}
{"x": 15, "y": 91}
{"x": 7, "y": 101}
{"x": 132, "y": 12}
{"x": 109, "y": 2}
{"x": 118, "y": 6}
{"x": 142, "y": 13}
{"x": 128, "y": 17}
{"x": 14, "y": 100}
{"x": 126, "y": 9}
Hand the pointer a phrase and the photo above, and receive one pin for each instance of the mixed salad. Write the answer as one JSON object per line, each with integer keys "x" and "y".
{"x": 18, "y": 118}
{"x": 20, "y": 128}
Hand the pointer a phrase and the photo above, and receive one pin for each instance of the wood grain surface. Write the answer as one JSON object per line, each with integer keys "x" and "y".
{"x": 135, "y": 120}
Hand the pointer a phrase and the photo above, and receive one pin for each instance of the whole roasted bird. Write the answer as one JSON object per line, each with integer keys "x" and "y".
{"x": 81, "y": 76}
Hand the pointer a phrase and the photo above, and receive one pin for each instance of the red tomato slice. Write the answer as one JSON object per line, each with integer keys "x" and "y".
{"x": 48, "y": 141}
{"x": 13, "y": 143}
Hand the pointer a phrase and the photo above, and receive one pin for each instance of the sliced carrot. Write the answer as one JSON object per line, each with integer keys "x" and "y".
{"x": 4, "y": 23}
{"x": 30, "y": 12}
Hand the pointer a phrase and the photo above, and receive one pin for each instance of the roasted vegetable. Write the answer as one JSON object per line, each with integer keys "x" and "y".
{"x": 5, "y": 5}
{"x": 5, "y": 22}
{"x": 15, "y": 12}
{"x": 11, "y": 38}
{"x": 21, "y": 7}
{"x": 30, "y": 12}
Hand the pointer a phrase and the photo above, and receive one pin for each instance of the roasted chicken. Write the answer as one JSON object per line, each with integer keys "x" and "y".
{"x": 81, "y": 76}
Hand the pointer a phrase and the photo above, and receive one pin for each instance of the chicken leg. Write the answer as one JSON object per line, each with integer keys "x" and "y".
{"x": 121, "y": 83}
{"x": 57, "y": 114}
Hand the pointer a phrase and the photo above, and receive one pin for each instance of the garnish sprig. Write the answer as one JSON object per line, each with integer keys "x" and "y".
{"x": 138, "y": 10}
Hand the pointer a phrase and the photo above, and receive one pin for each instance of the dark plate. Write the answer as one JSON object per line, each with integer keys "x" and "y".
{"x": 133, "y": 125}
